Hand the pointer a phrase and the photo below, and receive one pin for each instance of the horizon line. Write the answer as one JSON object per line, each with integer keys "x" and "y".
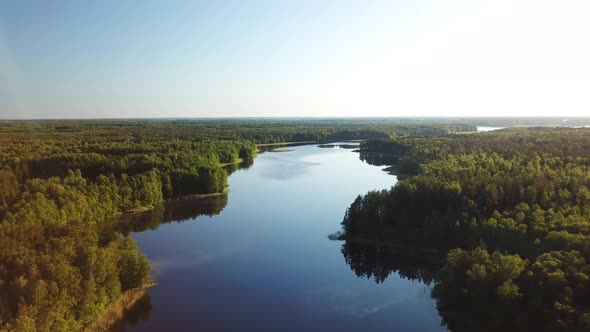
{"x": 564, "y": 117}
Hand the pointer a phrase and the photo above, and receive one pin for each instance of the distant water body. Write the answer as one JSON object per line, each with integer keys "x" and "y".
{"x": 486, "y": 128}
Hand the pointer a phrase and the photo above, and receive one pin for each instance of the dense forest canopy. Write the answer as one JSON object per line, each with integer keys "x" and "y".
{"x": 503, "y": 121}
{"x": 62, "y": 258}
{"x": 509, "y": 209}
{"x": 253, "y": 129}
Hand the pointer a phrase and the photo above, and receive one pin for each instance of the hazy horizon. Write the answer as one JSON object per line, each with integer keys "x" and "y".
{"x": 468, "y": 118}
{"x": 298, "y": 59}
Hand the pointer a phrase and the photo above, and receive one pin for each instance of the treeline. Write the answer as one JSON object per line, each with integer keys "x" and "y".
{"x": 59, "y": 278}
{"x": 511, "y": 209}
{"x": 256, "y": 130}
{"x": 511, "y": 121}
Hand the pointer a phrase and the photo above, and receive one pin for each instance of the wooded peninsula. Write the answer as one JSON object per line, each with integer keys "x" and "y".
{"x": 507, "y": 215}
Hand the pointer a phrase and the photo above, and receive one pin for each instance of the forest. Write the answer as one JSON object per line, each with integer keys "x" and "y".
{"x": 64, "y": 185}
{"x": 506, "y": 213}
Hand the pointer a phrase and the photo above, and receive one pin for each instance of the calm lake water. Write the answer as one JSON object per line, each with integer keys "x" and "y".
{"x": 263, "y": 260}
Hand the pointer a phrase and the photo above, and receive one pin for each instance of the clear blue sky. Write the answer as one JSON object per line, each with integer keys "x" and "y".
{"x": 141, "y": 58}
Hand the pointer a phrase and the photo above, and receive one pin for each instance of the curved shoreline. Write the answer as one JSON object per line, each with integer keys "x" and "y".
{"x": 115, "y": 311}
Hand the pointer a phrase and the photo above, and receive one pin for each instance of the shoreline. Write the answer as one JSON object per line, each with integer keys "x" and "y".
{"x": 287, "y": 143}
{"x": 183, "y": 197}
{"x": 197, "y": 196}
{"x": 235, "y": 162}
{"x": 180, "y": 198}
{"x": 311, "y": 142}
{"x": 116, "y": 311}
{"x": 383, "y": 243}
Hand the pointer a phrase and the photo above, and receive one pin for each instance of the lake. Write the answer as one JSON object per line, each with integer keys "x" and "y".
{"x": 487, "y": 128}
{"x": 260, "y": 259}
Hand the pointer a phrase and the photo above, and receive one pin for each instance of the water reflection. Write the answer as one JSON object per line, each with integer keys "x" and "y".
{"x": 379, "y": 261}
{"x": 171, "y": 211}
{"x": 139, "y": 312}
{"x": 244, "y": 165}
{"x": 459, "y": 312}
{"x": 268, "y": 148}
{"x": 340, "y": 145}
{"x": 286, "y": 168}
{"x": 361, "y": 301}
{"x": 179, "y": 210}
{"x": 378, "y": 159}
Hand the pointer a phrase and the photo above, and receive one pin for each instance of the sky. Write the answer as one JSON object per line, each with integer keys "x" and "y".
{"x": 247, "y": 58}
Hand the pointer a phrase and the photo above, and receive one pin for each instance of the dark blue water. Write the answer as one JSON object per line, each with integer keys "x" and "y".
{"x": 265, "y": 263}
